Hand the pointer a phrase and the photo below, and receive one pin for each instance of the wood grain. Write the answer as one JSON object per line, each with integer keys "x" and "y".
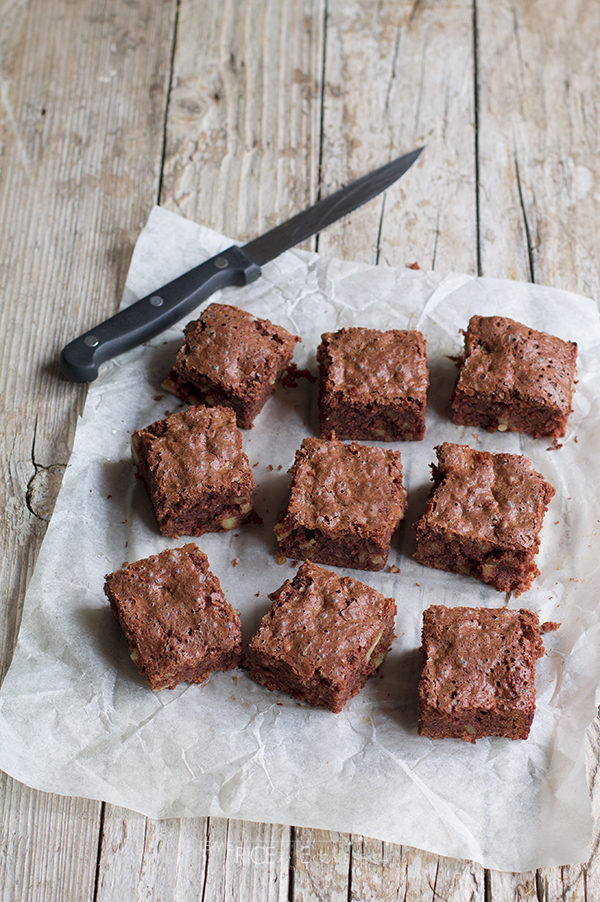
{"x": 236, "y": 115}
{"x": 82, "y": 90}
{"x": 538, "y": 118}
{"x": 394, "y": 82}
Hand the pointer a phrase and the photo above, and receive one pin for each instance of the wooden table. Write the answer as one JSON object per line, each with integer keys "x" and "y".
{"x": 236, "y": 114}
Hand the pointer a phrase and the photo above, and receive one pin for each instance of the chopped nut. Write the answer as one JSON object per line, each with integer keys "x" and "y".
{"x": 229, "y": 523}
{"x": 372, "y": 649}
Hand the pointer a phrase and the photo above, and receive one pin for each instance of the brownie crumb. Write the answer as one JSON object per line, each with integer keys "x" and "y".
{"x": 234, "y": 562}
{"x": 292, "y": 373}
{"x": 414, "y": 265}
{"x": 549, "y": 626}
{"x": 394, "y": 569}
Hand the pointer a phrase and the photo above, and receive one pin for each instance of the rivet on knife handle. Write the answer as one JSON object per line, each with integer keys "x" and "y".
{"x": 137, "y": 323}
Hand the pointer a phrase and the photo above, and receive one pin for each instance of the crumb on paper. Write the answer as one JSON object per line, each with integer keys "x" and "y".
{"x": 257, "y": 594}
{"x": 393, "y": 569}
{"x": 270, "y": 468}
{"x": 414, "y": 265}
{"x": 549, "y": 626}
{"x": 234, "y": 562}
{"x": 418, "y": 585}
{"x": 291, "y": 375}
{"x": 158, "y": 397}
{"x": 280, "y": 467}
{"x": 254, "y": 465}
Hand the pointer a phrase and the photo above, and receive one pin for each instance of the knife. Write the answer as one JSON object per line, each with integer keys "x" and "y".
{"x": 142, "y": 320}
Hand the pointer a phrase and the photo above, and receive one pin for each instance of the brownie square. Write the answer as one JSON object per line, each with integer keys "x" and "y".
{"x": 232, "y": 358}
{"x": 175, "y": 618}
{"x": 195, "y": 471}
{"x": 478, "y": 676}
{"x": 322, "y": 638}
{"x": 373, "y": 384}
{"x": 345, "y": 503}
{"x": 483, "y": 517}
{"x": 512, "y": 378}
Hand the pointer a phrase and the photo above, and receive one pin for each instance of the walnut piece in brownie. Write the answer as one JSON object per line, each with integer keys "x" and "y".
{"x": 175, "y": 618}
{"x": 322, "y": 638}
{"x": 232, "y": 358}
{"x": 345, "y": 503}
{"x": 483, "y": 517}
{"x": 195, "y": 471}
{"x": 478, "y": 674}
{"x": 373, "y": 384}
{"x": 512, "y": 378}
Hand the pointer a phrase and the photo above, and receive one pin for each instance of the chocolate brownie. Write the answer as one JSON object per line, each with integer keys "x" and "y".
{"x": 345, "y": 503}
{"x": 230, "y": 357}
{"x": 322, "y": 638}
{"x": 513, "y": 378}
{"x": 478, "y": 676}
{"x": 176, "y": 620}
{"x": 373, "y": 384}
{"x": 483, "y": 517}
{"x": 195, "y": 471}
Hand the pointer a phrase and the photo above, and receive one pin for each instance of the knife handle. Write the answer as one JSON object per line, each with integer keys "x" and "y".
{"x": 157, "y": 311}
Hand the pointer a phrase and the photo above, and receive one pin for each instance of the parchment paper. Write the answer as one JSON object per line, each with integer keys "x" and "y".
{"x": 77, "y": 718}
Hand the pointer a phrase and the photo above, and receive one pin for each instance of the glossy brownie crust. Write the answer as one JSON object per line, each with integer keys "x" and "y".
{"x": 345, "y": 503}
{"x": 231, "y": 358}
{"x": 373, "y": 384}
{"x": 322, "y": 638}
{"x": 478, "y": 675}
{"x": 195, "y": 471}
{"x": 515, "y": 379}
{"x": 175, "y": 618}
{"x": 483, "y": 517}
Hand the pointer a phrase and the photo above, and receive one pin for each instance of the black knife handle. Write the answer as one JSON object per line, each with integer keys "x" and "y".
{"x": 137, "y": 323}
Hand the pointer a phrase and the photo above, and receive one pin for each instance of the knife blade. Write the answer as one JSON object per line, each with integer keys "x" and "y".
{"x": 147, "y": 317}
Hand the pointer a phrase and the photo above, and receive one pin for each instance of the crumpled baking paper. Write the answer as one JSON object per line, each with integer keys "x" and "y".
{"x": 77, "y": 718}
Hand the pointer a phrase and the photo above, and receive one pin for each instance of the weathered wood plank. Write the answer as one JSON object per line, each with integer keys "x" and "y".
{"x": 191, "y": 858}
{"x": 82, "y": 90}
{"x": 243, "y": 127}
{"x": 538, "y": 128}
{"x": 47, "y": 845}
{"x": 241, "y": 150}
{"x": 247, "y": 861}
{"x": 322, "y": 864}
{"x": 537, "y": 181}
{"x": 394, "y": 80}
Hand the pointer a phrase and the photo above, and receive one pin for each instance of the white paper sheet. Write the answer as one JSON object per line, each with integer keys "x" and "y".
{"x": 77, "y": 718}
